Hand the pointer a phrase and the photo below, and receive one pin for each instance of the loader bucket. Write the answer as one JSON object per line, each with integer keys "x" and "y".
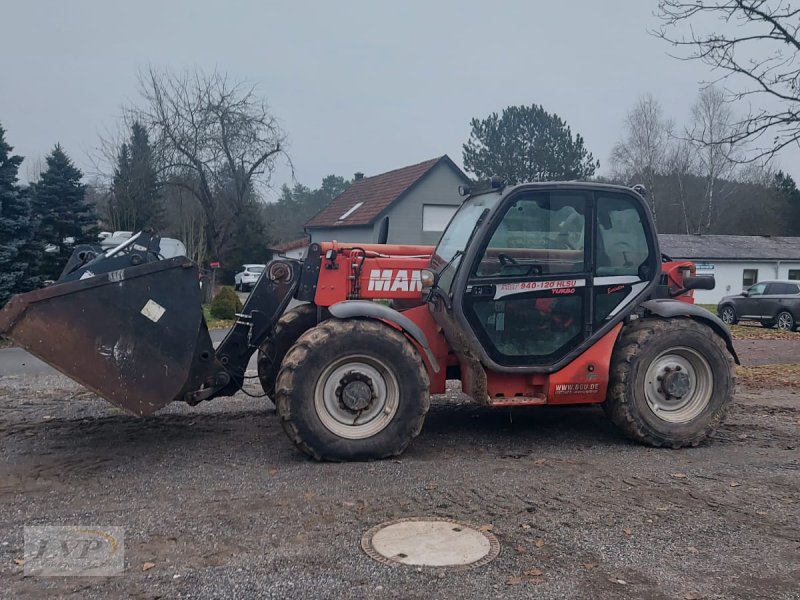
{"x": 135, "y": 336}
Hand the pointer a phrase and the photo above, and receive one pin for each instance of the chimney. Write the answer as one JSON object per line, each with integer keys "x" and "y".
{"x": 358, "y": 176}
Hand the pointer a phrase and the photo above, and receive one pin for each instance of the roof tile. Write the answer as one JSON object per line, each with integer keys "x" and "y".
{"x": 730, "y": 247}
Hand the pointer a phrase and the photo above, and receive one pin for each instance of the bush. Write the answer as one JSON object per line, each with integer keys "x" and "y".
{"x": 226, "y": 304}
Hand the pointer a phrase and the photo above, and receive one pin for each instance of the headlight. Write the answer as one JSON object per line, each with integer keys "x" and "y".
{"x": 427, "y": 277}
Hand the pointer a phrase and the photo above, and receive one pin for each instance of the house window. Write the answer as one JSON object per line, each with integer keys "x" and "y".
{"x": 435, "y": 217}
{"x": 749, "y": 277}
{"x": 794, "y": 274}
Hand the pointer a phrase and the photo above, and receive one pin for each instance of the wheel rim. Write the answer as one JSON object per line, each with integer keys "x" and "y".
{"x": 727, "y": 315}
{"x": 356, "y": 397}
{"x": 785, "y": 321}
{"x": 678, "y": 385}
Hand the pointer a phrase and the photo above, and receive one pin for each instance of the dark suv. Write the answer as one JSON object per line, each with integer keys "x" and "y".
{"x": 770, "y": 302}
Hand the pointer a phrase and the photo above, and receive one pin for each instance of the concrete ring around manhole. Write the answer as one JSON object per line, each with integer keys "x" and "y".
{"x": 430, "y": 542}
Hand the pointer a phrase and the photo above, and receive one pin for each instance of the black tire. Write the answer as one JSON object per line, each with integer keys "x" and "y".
{"x": 728, "y": 315}
{"x": 310, "y": 393}
{"x": 292, "y": 324}
{"x": 237, "y": 287}
{"x": 651, "y": 348}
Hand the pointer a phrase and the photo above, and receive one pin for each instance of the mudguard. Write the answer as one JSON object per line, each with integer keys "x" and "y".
{"x": 349, "y": 309}
{"x": 669, "y": 308}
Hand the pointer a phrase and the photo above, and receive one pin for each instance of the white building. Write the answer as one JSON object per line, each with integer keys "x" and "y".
{"x": 735, "y": 261}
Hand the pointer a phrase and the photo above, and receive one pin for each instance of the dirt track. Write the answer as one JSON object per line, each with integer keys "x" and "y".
{"x": 217, "y": 496}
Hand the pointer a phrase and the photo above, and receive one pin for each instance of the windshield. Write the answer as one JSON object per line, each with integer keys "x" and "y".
{"x": 255, "y": 269}
{"x": 454, "y": 240}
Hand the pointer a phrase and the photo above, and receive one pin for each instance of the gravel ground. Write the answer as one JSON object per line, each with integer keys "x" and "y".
{"x": 225, "y": 507}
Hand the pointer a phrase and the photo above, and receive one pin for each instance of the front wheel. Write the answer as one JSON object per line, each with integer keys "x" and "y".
{"x": 785, "y": 321}
{"x": 671, "y": 382}
{"x": 352, "y": 390}
{"x": 728, "y": 315}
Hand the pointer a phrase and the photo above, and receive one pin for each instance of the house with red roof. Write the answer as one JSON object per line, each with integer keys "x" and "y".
{"x": 412, "y": 204}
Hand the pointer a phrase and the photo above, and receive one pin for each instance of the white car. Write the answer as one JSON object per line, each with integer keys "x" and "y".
{"x": 246, "y": 280}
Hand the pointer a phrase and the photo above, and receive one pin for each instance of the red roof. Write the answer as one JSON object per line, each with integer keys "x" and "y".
{"x": 375, "y": 194}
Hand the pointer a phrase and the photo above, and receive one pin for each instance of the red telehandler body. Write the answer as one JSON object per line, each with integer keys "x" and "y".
{"x": 547, "y": 293}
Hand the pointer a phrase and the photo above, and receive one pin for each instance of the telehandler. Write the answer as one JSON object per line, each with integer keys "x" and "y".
{"x": 536, "y": 294}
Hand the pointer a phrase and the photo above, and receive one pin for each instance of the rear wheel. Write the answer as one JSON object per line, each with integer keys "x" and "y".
{"x": 785, "y": 321}
{"x": 728, "y": 315}
{"x": 352, "y": 390}
{"x": 292, "y": 324}
{"x": 671, "y": 382}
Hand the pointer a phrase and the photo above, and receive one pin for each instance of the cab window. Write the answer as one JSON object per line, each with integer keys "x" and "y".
{"x": 541, "y": 233}
{"x": 757, "y": 289}
{"x": 622, "y": 247}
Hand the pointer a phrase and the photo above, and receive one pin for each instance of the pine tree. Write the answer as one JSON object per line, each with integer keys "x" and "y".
{"x": 526, "y": 143}
{"x": 16, "y": 227}
{"x": 787, "y": 190}
{"x": 64, "y": 217}
{"x": 121, "y": 205}
{"x": 136, "y": 201}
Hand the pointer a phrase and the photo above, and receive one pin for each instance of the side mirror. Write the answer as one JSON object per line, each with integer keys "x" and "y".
{"x": 745, "y": 293}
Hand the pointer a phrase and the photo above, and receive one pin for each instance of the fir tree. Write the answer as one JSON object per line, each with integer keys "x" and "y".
{"x": 136, "y": 202}
{"x": 64, "y": 217}
{"x": 16, "y": 227}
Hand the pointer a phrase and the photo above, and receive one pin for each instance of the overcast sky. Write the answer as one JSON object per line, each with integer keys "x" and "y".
{"x": 358, "y": 85}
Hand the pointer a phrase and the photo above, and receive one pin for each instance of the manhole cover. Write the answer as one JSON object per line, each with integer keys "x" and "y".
{"x": 430, "y": 543}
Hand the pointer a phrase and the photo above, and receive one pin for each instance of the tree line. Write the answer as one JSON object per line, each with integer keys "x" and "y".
{"x": 41, "y": 221}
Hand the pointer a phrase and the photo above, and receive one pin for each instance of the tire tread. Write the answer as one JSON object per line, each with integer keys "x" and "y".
{"x": 312, "y": 340}
{"x": 618, "y": 405}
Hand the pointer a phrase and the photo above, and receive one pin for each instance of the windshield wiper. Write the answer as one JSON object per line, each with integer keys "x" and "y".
{"x": 450, "y": 262}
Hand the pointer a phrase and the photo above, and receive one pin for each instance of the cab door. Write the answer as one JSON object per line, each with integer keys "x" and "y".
{"x": 527, "y": 294}
{"x": 556, "y": 270}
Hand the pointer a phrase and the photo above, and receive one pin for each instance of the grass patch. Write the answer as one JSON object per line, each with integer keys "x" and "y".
{"x": 215, "y": 323}
{"x": 4, "y": 343}
{"x": 769, "y": 375}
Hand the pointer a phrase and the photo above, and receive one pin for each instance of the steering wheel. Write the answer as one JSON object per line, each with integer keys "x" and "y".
{"x": 507, "y": 260}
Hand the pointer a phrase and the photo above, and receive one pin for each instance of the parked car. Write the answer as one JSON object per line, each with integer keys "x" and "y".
{"x": 246, "y": 280}
{"x": 769, "y": 302}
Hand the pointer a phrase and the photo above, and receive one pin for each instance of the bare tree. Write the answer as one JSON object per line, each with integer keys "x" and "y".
{"x": 212, "y": 135}
{"x": 681, "y": 165}
{"x": 642, "y": 154}
{"x": 755, "y": 45}
{"x": 713, "y": 134}
{"x": 187, "y": 221}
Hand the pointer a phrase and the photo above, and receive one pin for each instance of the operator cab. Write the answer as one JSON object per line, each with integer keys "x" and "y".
{"x": 536, "y": 273}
